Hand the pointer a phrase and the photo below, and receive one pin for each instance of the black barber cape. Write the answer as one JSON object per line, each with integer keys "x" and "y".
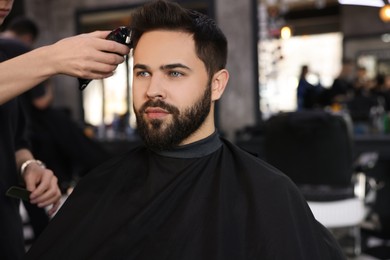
{"x": 205, "y": 201}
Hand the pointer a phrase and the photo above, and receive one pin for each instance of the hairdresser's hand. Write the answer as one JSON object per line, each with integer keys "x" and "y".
{"x": 43, "y": 186}
{"x": 88, "y": 56}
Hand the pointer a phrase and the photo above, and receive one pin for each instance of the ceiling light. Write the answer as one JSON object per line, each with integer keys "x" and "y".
{"x": 375, "y": 3}
{"x": 285, "y": 33}
{"x": 384, "y": 13}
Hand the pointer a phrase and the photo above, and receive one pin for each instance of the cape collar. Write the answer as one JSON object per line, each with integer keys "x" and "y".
{"x": 197, "y": 149}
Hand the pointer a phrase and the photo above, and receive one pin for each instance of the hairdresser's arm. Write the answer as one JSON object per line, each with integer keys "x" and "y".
{"x": 86, "y": 55}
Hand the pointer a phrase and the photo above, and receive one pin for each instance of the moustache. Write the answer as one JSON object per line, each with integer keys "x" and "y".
{"x": 161, "y": 104}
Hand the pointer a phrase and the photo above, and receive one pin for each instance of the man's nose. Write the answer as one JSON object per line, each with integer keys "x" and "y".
{"x": 156, "y": 89}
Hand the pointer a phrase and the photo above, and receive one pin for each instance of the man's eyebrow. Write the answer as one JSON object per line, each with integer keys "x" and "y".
{"x": 140, "y": 66}
{"x": 162, "y": 67}
{"x": 174, "y": 66}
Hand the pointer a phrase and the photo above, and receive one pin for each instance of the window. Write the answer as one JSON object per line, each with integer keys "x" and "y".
{"x": 280, "y": 62}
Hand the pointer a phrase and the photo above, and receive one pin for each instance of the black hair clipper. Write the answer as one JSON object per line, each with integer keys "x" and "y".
{"x": 121, "y": 35}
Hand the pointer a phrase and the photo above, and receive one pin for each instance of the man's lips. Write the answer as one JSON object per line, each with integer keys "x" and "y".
{"x": 156, "y": 112}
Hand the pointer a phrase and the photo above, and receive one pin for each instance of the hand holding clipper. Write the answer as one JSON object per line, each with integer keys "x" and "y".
{"x": 120, "y": 35}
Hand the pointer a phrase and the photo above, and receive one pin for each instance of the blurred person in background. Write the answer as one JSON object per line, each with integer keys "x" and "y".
{"x": 307, "y": 94}
{"x": 342, "y": 86}
{"x": 86, "y": 56}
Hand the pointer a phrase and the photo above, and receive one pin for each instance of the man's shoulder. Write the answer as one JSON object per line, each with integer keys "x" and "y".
{"x": 251, "y": 164}
{"x": 242, "y": 153}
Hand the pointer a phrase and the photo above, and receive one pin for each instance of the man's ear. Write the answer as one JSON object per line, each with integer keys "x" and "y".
{"x": 218, "y": 84}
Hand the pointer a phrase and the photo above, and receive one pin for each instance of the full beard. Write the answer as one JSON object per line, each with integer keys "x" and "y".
{"x": 160, "y": 135}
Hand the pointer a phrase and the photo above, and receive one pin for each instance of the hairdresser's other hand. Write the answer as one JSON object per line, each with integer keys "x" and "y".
{"x": 43, "y": 186}
{"x": 88, "y": 56}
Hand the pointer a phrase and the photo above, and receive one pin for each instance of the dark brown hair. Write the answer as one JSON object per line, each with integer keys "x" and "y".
{"x": 210, "y": 42}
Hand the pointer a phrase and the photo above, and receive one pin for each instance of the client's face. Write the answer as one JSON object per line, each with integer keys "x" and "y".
{"x": 171, "y": 94}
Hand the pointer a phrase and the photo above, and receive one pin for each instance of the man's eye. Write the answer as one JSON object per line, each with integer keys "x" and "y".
{"x": 175, "y": 74}
{"x": 142, "y": 74}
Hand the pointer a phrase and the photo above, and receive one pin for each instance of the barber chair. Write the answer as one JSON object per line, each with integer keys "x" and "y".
{"x": 315, "y": 149}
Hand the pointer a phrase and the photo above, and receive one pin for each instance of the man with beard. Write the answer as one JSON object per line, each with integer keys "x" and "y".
{"x": 186, "y": 193}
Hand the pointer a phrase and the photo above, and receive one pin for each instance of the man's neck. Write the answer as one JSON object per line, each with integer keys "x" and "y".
{"x": 205, "y": 130}
{"x": 196, "y": 149}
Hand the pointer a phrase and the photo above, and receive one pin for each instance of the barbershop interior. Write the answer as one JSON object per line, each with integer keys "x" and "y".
{"x": 309, "y": 93}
